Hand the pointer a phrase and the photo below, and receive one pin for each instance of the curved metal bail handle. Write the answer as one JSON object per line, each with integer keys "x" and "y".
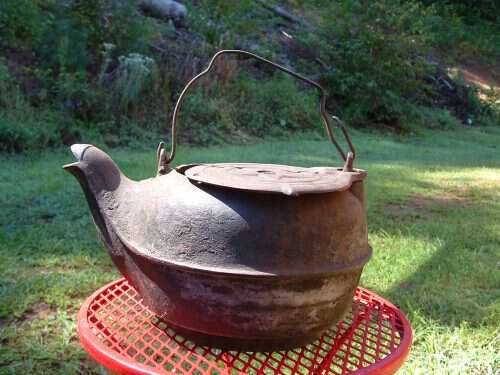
{"x": 166, "y": 160}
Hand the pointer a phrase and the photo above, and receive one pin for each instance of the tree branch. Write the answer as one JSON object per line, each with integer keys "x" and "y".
{"x": 283, "y": 13}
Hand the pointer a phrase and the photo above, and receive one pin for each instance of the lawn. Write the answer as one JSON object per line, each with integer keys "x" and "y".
{"x": 434, "y": 221}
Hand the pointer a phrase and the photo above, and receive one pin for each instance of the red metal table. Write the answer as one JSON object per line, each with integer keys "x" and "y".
{"x": 123, "y": 335}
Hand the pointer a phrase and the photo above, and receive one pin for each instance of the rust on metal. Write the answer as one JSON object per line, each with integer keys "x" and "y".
{"x": 272, "y": 178}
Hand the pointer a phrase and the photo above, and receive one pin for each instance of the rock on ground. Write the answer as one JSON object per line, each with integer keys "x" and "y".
{"x": 165, "y": 9}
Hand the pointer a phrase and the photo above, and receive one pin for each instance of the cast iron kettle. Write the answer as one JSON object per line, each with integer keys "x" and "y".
{"x": 239, "y": 256}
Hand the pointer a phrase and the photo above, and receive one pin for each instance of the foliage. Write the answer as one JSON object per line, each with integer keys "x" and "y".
{"x": 375, "y": 56}
{"x": 23, "y": 127}
{"x": 435, "y": 118}
{"x": 223, "y": 23}
{"x": 249, "y": 108}
{"x": 102, "y": 68}
{"x": 20, "y": 22}
{"x": 464, "y": 34}
{"x": 472, "y": 10}
{"x": 17, "y": 118}
{"x": 66, "y": 37}
{"x": 66, "y": 34}
{"x": 133, "y": 76}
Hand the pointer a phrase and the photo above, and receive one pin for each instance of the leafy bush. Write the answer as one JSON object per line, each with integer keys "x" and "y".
{"x": 247, "y": 109}
{"x": 464, "y": 34}
{"x": 223, "y": 23}
{"x": 134, "y": 75}
{"x": 66, "y": 38}
{"x": 374, "y": 55}
{"x": 100, "y": 68}
{"x": 23, "y": 127}
{"x": 471, "y": 10}
{"x": 434, "y": 118}
{"x": 21, "y": 21}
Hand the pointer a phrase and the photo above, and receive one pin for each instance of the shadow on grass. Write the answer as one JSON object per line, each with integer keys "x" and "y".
{"x": 447, "y": 255}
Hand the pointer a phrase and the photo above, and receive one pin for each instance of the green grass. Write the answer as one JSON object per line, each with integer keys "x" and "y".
{"x": 434, "y": 221}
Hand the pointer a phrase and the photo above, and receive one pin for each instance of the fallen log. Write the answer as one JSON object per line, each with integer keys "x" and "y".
{"x": 283, "y": 13}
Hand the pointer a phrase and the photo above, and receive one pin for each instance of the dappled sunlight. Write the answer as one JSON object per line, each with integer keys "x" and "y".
{"x": 395, "y": 258}
{"x": 453, "y": 350}
{"x": 316, "y": 160}
{"x": 472, "y": 176}
{"x": 477, "y": 73}
{"x": 455, "y": 248}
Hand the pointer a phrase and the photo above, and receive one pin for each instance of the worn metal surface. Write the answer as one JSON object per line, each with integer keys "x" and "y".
{"x": 272, "y": 178}
{"x": 236, "y": 268}
{"x": 235, "y": 255}
{"x": 164, "y": 160}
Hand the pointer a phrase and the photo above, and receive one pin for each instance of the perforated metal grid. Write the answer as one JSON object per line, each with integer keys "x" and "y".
{"x": 125, "y": 336}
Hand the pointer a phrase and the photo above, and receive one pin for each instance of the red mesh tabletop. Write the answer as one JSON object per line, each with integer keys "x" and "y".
{"x": 119, "y": 332}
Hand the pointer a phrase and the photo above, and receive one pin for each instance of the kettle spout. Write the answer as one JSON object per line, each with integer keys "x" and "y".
{"x": 98, "y": 176}
{"x": 96, "y": 167}
{"x": 76, "y": 168}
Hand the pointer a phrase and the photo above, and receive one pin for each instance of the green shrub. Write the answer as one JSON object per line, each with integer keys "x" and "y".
{"x": 11, "y": 97}
{"x": 223, "y": 23}
{"x": 22, "y": 127}
{"x": 99, "y": 68}
{"x": 24, "y": 133}
{"x": 435, "y": 118}
{"x": 66, "y": 38}
{"x": 471, "y": 10}
{"x": 374, "y": 53}
{"x": 463, "y": 34}
{"x": 135, "y": 73}
{"x": 21, "y": 22}
{"x": 248, "y": 108}
{"x": 67, "y": 34}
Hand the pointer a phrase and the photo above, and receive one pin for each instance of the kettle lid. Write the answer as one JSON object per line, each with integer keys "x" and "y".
{"x": 273, "y": 178}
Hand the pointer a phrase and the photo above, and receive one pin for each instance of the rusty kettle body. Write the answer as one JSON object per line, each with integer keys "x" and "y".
{"x": 241, "y": 256}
